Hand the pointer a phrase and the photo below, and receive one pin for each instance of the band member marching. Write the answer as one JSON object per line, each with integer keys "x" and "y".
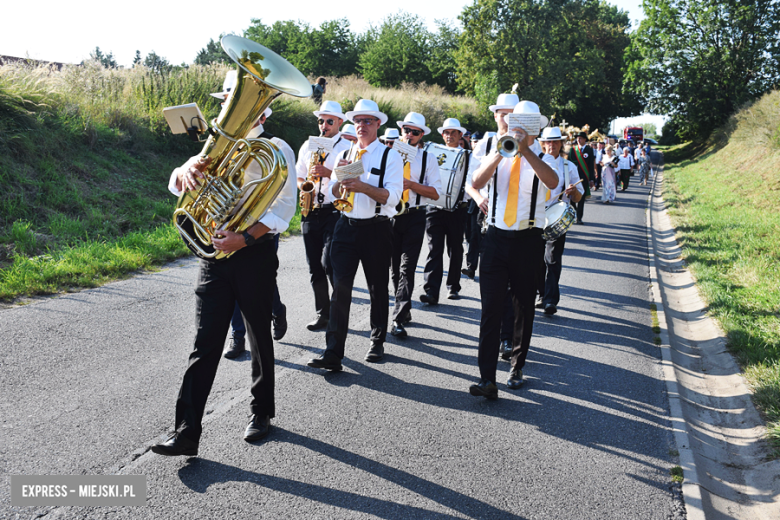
{"x": 513, "y": 247}
{"x": 421, "y": 183}
{"x": 582, "y": 155}
{"x": 363, "y": 234}
{"x": 318, "y": 216}
{"x": 447, "y": 225}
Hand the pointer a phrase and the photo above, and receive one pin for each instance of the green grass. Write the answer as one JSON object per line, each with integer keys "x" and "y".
{"x": 677, "y": 474}
{"x": 723, "y": 205}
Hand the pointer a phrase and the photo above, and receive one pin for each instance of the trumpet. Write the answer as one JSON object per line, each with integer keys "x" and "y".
{"x": 307, "y": 187}
{"x": 346, "y": 200}
{"x": 508, "y": 146}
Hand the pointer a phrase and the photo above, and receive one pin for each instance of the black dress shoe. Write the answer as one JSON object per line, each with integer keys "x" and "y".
{"x": 320, "y": 323}
{"x": 257, "y": 428}
{"x": 326, "y": 362}
{"x": 279, "y": 324}
{"x": 468, "y": 272}
{"x": 430, "y": 300}
{"x": 406, "y": 320}
{"x": 375, "y": 353}
{"x": 506, "y": 349}
{"x": 237, "y": 347}
{"x": 176, "y": 445}
{"x": 515, "y": 379}
{"x": 453, "y": 295}
{"x": 484, "y": 389}
{"x": 550, "y": 309}
{"x": 398, "y": 331}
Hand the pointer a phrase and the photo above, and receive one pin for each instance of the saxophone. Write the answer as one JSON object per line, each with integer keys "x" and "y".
{"x": 307, "y": 186}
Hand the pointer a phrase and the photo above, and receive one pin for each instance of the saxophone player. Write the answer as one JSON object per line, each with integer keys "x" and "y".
{"x": 318, "y": 219}
{"x": 422, "y": 183}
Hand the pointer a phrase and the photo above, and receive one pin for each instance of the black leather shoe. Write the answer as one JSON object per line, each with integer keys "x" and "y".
{"x": 326, "y": 362}
{"x": 398, "y": 331}
{"x": 484, "y": 389}
{"x": 236, "y": 348}
{"x": 320, "y": 323}
{"x": 430, "y": 300}
{"x": 506, "y": 349}
{"x": 406, "y": 320}
{"x": 375, "y": 353}
{"x": 468, "y": 272}
{"x": 176, "y": 445}
{"x": 279, "y": 324}
{"x": 515, "y": 379}
{"x": 257, "y": 428}
{"x": 550, "y": 309}
{"x": 453, "y": 295}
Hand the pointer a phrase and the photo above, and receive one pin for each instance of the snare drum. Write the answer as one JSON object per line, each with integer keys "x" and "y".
{"x": 560, "y": 217}
{"x": 452, "y": 166}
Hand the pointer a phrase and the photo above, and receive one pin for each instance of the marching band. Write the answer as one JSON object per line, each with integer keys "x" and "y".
{"x": 370, "y": 200}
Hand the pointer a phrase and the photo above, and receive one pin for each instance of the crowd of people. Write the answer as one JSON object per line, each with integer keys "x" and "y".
{"x": 378, "y": 218}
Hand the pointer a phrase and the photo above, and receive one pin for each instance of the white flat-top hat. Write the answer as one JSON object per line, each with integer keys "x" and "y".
{"x": 416, "y": 120}
{"x": 330, "y": 108}
{"x": 529, "y": 107}
{"x": 451, "y": 124}
{"x": 366, "y": 107}
{"x": 552, "y": 134}
{"x": 391, "y": 134}
{"x": 349, "y": 130}
{"x": 229, "y": 84}
{"x": 506, "y": 102}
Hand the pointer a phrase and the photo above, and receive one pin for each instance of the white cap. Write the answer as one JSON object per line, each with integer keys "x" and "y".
{"x": 505, "y": 102}
{"x": 391, "y": 134}
{"x": 416, "y": 120}
{"x": 330, "y": 108}
{"x": 366, "y": 107}
{"x": 451, "y": 124}
{"x": 229, "y": 84}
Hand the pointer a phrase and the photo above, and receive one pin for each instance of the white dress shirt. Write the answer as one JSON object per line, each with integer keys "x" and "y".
{"x": 432, "y": 177}
{"x": 281, "y": 211}
{"x": 323, "y": 184}
{"x": 625, "y": 162}
{"x": 364, "y": 207}
{"x": 527, "y": 176}
{"x": 567, "y": 174}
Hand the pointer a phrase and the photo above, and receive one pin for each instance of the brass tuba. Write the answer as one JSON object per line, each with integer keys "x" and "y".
{"x": 224, "y": 201}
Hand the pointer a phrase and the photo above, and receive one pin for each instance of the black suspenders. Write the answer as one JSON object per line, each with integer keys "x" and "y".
{"x": 382, "y": 177}
{"x": 534, "y": 192}
{"x": 422, "y": 173}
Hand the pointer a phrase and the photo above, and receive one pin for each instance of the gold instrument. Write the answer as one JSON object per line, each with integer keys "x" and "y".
{"x": 224, "y": 201}
{"x": 508, "y": 146}
{"x": 346, "y": 200}
{"x": 307, "y": 186}
{"x": 408, "y": 153}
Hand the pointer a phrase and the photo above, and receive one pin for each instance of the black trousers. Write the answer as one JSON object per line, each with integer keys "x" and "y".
{"x": 248, "y": 277}
{"x": 473, "y": 235}
{"x": 355, "y": 243}
{"x": 625, "y": 175}
{"x": 441, "y": 226}
{"x": 317, "y": 229}
{"x": 550, "y": 273}
{"x": 597, "y": 180}
{"x": 514, "y": 261}
{"x": 408, "y": 235}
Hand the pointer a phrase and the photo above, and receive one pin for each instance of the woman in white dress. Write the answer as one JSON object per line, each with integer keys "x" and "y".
{"x": 608, "y": 176}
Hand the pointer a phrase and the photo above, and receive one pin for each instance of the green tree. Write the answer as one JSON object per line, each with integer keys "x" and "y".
{"x": 397, "y": 51}
{"x": 107, "y": 60}
{"x": 137, "y": 59}
{"x": 157, "y": 63}
{"x": 566, "y": 55}
{"x": 700, "y": 60}
{"x": 212, "y": 53}
{"x": 441, "y": 61}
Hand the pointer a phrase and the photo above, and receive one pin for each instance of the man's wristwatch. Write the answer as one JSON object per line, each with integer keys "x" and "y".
{"x": 249, "y": 239}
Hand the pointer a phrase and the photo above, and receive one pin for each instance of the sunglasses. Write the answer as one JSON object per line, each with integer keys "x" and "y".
{"x": 329, "y": 121}
{"x": 412, "y": 131}
{"x": 364, "y": 121}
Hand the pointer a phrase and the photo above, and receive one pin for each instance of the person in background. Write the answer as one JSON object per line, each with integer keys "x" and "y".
{"x": 582, "y": 155}
{"x": 391, "y": 135}
{"x": 348, "y": 132}
{"x": 598, "y": 153}
{"x": 644, "y": 167}
{"x": 608, "y": 175}
{"x": 318, "y": 89}
{"x": 625, "y": 164}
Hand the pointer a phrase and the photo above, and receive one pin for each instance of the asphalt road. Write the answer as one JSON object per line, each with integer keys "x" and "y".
{"x": 89, "y": 381}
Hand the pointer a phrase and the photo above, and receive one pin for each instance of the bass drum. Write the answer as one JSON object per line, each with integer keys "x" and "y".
{"x": 452, "y": 168}
{"x": 560, "y": 217}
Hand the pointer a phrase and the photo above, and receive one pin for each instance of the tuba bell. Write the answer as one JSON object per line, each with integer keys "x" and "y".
{"x": 224, "y": 201}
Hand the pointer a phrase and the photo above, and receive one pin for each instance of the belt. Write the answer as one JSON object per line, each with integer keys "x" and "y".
{"x": 325, "y": 208}
{"x": 413, "y": 210}
{"x": 358, "y": 222}
{"x": 515, "y": 234}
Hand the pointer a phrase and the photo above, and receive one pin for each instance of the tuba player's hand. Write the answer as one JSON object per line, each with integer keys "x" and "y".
{"x": 229, "y": 241}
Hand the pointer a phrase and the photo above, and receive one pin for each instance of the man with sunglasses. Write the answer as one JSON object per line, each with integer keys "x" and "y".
{"x": 363, "y": 234}
{"x": 317, "y": 227}
{"x": 422, "y": 183}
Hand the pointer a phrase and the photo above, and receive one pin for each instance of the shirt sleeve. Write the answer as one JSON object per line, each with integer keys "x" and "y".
{"x": 281, "y": 211}
{"x": 173, "y": 181}
{"x": 394, "y": 178}
{"x": 302, "y": 166}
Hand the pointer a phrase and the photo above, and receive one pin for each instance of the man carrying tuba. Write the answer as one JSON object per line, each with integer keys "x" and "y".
{"x": 317, "y": 226}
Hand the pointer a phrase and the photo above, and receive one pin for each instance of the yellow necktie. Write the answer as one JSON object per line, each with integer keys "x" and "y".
{"x": 510, "y": 212}
{"x": 407, "y": 176}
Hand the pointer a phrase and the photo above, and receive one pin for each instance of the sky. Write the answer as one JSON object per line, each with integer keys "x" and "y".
{"x": 68, "y": 31}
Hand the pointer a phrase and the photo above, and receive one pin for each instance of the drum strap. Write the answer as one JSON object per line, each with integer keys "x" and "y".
{"x": 534, "y": 194}
{"x": 465, "y": 177}
{"x": 422, "y": 173}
